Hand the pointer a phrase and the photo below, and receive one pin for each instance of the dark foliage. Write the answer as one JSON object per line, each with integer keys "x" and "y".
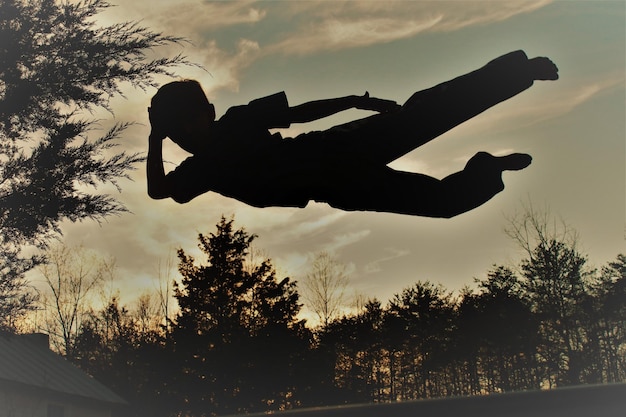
{"x": 237, "y": 341}
{"x": 237, "y": 346}
{"x": 57, "y": 66}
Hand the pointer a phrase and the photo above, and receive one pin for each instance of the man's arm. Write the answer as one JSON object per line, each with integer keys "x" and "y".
{"x": 319, "y": 109}
{"x": 157, "y": 184}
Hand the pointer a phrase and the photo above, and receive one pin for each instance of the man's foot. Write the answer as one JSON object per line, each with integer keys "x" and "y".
{"x": 484, "y": 161}
{"x": 513, "y": 162}
{"x": 542, "y": 68}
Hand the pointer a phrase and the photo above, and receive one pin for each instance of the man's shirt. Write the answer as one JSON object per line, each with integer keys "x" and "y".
{"x": 243, "y": 160}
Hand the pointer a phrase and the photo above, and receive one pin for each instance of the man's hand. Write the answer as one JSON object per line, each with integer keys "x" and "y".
{"x": 157, "y": 130}
{"x": 365, "y": 102}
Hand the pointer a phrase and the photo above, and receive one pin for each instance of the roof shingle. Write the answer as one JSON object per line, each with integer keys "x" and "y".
{"x": 27, "y": 359}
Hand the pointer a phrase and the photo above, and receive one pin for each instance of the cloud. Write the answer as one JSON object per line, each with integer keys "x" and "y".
{"x": 346, "y": 239}
{"x": 314, "y": 226}
{"x": 375, "y": 265}
{"x": 190, "y": 16}
{"x": 224, "y": 67}
{"x": 306, "y": 27}
{"x": 574, "y": 96}
{"x": 341, "y": 25}
{"x": 201, "y": 23}
{"x": 226, "y": 13}
{"x": 528, "y": 110}
{"x": 335, "y": 34}
{"x": 466, "y": 14}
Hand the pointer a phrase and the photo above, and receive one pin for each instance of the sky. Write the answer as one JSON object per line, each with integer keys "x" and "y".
{"x": 574, "y": 128}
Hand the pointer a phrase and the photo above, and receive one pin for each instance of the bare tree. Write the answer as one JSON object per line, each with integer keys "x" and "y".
{"x": 71, "y": 274}
{"x": 360, "y": 301}
{"x": 325, "y": 285}
{"x": 147, "y": 313}
{"x": 165, "y": 293}
{"x": 532, "y": 227}
{"x": 557, "y": 282}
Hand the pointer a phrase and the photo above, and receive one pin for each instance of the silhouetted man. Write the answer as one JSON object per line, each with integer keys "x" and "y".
{"x": 346, "y": 165}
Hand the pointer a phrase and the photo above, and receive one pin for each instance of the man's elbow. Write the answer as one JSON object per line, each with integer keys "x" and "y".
{"x": 161, "y": 191}
{"x": 156, "y": 196}
{"x": 161, "y": 196}
{"x": 158, "y": 193}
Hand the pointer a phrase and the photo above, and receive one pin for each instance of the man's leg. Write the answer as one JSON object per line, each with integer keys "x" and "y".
{"x": 429, "y": 113}
{"x": 387, "y": 190}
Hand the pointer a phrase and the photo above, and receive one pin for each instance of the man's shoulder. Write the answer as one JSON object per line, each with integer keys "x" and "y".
{"x": 266, "y": 112}
{"x": 276, "y": 98}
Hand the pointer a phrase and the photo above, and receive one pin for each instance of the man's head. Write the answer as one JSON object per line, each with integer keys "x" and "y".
{"x": 184, "y": 111}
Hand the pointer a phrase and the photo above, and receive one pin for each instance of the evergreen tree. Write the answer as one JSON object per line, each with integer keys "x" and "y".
{"x": 497, "y": 335}
{"x": 129, "y": 358}
{"x": 356, "y": 361}
{"x": 608, "y": 323}
{"x": 56, "y": 66}
{"x": 424, "y": 313}
{"x": 557, "y": 283}
{"x": 237, "y": 340}
{"x": 16, "y": 299}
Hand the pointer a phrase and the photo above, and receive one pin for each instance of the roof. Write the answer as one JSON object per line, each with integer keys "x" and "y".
{"x": 27, "y": 360}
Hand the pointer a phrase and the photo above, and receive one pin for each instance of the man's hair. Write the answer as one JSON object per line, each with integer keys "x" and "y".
{"x": 179, "y": 101}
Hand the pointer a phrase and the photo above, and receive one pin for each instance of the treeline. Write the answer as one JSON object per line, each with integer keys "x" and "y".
{"x": 237, "y": 345}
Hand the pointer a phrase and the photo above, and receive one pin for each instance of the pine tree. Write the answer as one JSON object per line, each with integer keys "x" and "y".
{"x": 556, "y": 281}
{"x": 56, "y": 67}
{"x": 237, "y": 339}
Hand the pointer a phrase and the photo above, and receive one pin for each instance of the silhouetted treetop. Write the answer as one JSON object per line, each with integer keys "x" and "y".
{"x": 54, "y": 53}
{"x": 57, "y": 65}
